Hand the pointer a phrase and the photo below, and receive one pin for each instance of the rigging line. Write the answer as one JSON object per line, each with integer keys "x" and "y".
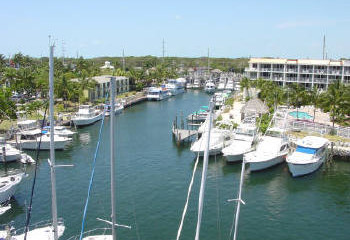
{"x": 189, "y": 193}
{"x": 34, "y": 179}
{"x": 218, "y": 223}
{"x": 188, "y": 197}
{"x": 93, "y": 169}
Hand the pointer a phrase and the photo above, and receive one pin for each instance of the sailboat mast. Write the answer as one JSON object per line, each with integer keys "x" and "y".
{"x": 239, "y": 200}
{"x": 114, "y": 234}
{"x": 52, "y": 146}
{"x": 208, "y": 65}
{"x": 204, "y": 173}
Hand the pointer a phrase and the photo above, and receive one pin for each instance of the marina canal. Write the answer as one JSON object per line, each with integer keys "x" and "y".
{"x": 153, "y": 174}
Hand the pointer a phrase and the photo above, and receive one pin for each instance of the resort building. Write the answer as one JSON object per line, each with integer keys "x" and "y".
{"x": 310, "y": 72}
{"x": 107, "y": 65}
{"x": 102, "y": 86}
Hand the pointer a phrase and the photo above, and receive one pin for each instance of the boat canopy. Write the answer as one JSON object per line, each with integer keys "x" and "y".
{"x": 306, "y": 150}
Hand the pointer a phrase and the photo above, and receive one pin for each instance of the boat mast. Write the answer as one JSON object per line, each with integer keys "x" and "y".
{"x": 52, "y": 146}
{"x": 114, "y": 234}
{"x": 204, "y": 173}
{"x": 208, "y": 65}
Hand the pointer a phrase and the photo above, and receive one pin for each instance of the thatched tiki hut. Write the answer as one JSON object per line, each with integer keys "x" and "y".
{"x": 253, "y": 107}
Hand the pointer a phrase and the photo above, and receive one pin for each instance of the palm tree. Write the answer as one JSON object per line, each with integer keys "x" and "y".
{"x": 298, "y": 96}
{"x": 334, "y": 101}
{"x": 245, "y": 84}
{"x": 314, "y": 98}
{"x": 10, "y": 78}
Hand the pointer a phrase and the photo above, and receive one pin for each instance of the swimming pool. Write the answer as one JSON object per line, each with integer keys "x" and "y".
{"x": 300, "y": 115}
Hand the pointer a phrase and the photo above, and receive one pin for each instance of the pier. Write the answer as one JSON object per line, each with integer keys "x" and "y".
{"x": 180, "y": 133}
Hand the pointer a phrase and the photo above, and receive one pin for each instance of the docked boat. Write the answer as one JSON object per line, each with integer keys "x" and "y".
{"x": 86, "y": 115}
{"x": 222, "y": 84}
{"x": 61, "y": 131}
{"x": 210, "y": 87}
{"x": 196, "y": 84}
{"x": 9, "y": 153}
{"x": 309, "y": 155}
{"x": 271, "y": 150}
{"x": 219, "y": 139}
{"x": 8, "y": 186}
{"x": 200, "y": 115}
{"x": 157, "y": 93}
{"x": 118, "y": 108}
{"x": 30, "y": 139}
{"x": 243, "y": 142}
{"x": 182, "y": 82}
{"x": 174, "y": 87}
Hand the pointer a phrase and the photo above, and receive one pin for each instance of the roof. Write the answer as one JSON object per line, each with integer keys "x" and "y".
{"x": 255, "y": 105}
{"x": 300, "y": 61}
{"x": 312, "y": 142}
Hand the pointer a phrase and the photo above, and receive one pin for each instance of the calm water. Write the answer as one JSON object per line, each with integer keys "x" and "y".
{"x": 152, "y": 180}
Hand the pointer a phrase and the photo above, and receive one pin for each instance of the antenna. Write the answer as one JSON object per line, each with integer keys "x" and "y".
{"x": 324, "y": 47}
{"x": 63, "y": 51}
{"x": 163, "y": 49}
{"x": 123, "y": 61}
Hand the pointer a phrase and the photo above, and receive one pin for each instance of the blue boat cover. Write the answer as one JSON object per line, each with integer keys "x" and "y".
{"x": 306, "y": 150}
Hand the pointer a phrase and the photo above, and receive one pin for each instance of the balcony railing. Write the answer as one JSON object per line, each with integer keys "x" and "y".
{"x": 291, "y": 79}
{"x": 320, "y": 80}
{"x": 293, "y": 70}
{"x": 278, "y": 69}
{"x": 265, "y": 69}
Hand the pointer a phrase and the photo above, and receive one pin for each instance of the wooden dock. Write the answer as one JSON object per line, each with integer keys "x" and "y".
{"x": 183, "y": 134}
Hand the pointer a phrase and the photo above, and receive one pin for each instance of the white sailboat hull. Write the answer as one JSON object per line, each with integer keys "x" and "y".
{"x": 234, "y": 158}
{"x": 7, "y": 191}
{"x": 41, "y": 233}
{"x": 45, "y": 145}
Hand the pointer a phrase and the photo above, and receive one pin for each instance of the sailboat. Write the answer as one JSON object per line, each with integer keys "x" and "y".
{"x": 45, "y": 229}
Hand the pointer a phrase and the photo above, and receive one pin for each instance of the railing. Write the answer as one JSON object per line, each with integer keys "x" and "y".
{"x": 319, "y": 128}
{"x": 320, "y": 80}
{"x": 265, "y": 69}
{"x": 278, "y": 69}
{"x": 293, "y": 70}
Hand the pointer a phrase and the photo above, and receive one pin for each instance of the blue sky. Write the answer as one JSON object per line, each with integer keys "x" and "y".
{"x": 292, "y": 28}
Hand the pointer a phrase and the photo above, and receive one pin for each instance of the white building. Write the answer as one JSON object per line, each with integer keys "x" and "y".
{"x": 107, "y": 65}
{"x": 310, "y": 72}
{"x": 102, "y": 86}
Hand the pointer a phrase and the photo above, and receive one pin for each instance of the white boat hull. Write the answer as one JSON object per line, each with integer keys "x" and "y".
{"x": 261, "y": 165}
{"x": 303, "y": 169}
{"x": 11, "y": 157}
{"x": 234, "y": 158}
{"x": 86, "y": 121}
{"x": 45, "y": 145}
{"x": 8, "y": 190}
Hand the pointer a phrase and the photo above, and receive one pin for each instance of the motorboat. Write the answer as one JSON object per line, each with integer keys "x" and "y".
{"x": 157, "y": 93}
{"x": 86, "y": 115}
{"x": 30, "y": 139}
{"x": 210, "y": 87}
{"x": 174, "y": 87}
{"x": 200, "y": 115}
{"x": 117, "y": 109}
{"x": 189, "y": 85}
{"x": 182, "y": 82}
{"x": 8, "y": 186}
{"x": 196, "y": 84}
{"x": 219, "y": 139}
{"x": 61, "y": 131}
{"x": 219, "y": 99}
{"x": 310, "y": 153}
{"x": 9, "y": 153}
{"x": 244, "y": 140}
{"x": 271, "y": 150}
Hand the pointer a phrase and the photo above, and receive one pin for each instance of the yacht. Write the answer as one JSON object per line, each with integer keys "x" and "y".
{"x": 196, "y": 84}
{"x": 219, "y": 139}
{"x": 270, "y": 150}
{"x": 200, "y": 115}
{"x": 86, "y": 115}
{"x": 157, "y": 93}
{"x": 8, "y": 186}
{"x": 29, "y": 139}
{"x": 243, "y": 142}
{"x": 182, "y": 82}
{"x": 309, "y": 155}
{"x": 174, "y": 87}
{"x": 9, "y": 153}
{"x": 209, "y": 87}
{"x": 189, "y": 85}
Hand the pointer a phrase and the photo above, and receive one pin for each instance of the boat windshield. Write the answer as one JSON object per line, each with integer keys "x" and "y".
{"x": 305, "y": 150}
{"x": 243, "y": 131}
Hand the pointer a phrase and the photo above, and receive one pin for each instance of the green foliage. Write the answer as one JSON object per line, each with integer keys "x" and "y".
{"x": 7, "y": 107}
{"x": 229, "y": 101}
{"x": 263, "y": 122}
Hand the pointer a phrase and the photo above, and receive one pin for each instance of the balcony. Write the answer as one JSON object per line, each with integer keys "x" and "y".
{"x": 277, "y": 79}
{"x": 321, "y": 71}
{"x": 278, "y": 69}
{"x": 320, "y": 80}
{"x": 334, "y": 72}
{"x": 289, "y": 79}
{"x": 306, "y": 80}
{"x": 265, "y": 69}
{"x": 250, "y": 69}
{"x": 292, "y": 70}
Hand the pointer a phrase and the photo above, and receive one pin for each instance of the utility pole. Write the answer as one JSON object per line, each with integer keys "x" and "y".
{"x": 63, "y": 51}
